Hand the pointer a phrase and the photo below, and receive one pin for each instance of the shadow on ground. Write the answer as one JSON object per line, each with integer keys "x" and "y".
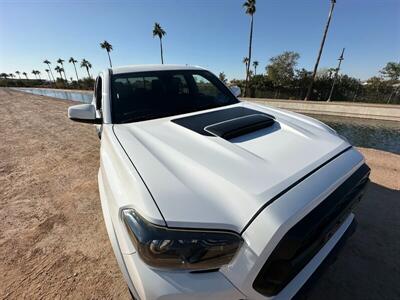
{"x": 368, "y": 267}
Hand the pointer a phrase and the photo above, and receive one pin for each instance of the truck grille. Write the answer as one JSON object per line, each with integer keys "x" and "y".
{"x": 303, "y": 241}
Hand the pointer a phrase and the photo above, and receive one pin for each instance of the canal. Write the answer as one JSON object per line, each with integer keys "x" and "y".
{"x": 80, "y": 96}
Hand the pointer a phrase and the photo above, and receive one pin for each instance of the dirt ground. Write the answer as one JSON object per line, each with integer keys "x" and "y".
{"x": 53, "y": 242}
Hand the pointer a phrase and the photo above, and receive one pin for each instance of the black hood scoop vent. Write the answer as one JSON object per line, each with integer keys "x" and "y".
{"x": 227, "y": 123}
{"x": 240, "y": 126}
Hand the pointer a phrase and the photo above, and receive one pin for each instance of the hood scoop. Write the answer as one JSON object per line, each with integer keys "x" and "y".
{"x": 227, "y": 123}
{"x": 240, "y": 126}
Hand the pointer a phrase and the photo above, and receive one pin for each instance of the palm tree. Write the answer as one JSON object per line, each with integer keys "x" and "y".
{"x": 333, "y": 2}
{"x": 34, "y": 73}
{"x": 11, "y": 75}
{"x": 246, "y": 63}
{"x": 4, "y": 75}
{"x": 47, "y": 62}
{"x": 63, "y": 71}
{"x": 250, "y": 6}
{"x": 158, "y": 31}
{"x": 61, "y": 62}
{"x": 48, "y": 73}
{"x": 38, "y": 73}
{"x": 58, "y": 69}
{"x": 255, "y": 65}
{"x": 26, "y": 75}
{"x": 18, "y": 73}
{"x": 106, "y": 45}
{"x": 74, "y": 61}
{"x": 86, "y": 64}
{"x": 222, "y": 77}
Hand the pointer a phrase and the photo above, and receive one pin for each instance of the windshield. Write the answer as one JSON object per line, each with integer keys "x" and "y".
{"x": 156, "y": 94}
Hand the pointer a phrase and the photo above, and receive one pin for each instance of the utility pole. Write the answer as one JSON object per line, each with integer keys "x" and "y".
{"x": 333, "y": 2}
{"x": 356, "y": 93}
{"x": 395, "y": 92}
{"x": 340, "y": 59}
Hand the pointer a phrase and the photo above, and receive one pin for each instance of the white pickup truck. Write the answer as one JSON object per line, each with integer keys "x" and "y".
{"x": 208, "y": 197}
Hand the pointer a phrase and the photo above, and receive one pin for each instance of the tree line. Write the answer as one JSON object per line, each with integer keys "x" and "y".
{"x": 51, "y": 81}
{"x": 282, "y": 80}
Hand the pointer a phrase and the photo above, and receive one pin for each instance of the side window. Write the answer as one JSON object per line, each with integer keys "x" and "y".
{"x": 179, "y": 84}
{"x": 205, "y": 87}
{"x": 98, "y": 92}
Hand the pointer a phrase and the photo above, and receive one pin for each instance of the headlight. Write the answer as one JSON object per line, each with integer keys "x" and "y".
{"x": 162, "y": 247}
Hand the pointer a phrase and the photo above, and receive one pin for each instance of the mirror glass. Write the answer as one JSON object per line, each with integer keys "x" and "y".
{"x": 235, "y": 90}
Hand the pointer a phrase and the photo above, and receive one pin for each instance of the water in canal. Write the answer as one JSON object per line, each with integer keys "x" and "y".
{"x": 376, "y": 134}
{"x": 382, "y": 135}
{"x": 85, "y": 97}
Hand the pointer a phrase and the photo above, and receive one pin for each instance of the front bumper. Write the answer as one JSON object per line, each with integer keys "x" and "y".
{"x": 235, "y": 281}
{"x": 156, "y": 284}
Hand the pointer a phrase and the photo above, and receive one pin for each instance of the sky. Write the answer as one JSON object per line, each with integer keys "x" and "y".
{"x": 210, "y": 33}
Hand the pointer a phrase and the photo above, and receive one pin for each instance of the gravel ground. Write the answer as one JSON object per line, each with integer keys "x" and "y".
{"x": 53, "y": 241}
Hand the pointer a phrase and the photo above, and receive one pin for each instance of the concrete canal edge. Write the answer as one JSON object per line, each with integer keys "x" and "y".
{"x": 55, "y": 90}
{"x": 389, "y": 112}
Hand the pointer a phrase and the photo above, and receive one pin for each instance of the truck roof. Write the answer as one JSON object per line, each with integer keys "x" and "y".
{"x": 145, "y": 68}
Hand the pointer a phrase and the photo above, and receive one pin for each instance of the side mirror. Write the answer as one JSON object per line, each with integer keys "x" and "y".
{"x": 235, "y": 90}
{"x": 85, "y": 113}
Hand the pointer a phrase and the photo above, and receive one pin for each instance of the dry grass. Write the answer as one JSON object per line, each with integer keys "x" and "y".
{"x": 53, "y": 241}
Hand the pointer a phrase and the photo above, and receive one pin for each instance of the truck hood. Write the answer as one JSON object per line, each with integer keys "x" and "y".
{"x": 200, "y": 180}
